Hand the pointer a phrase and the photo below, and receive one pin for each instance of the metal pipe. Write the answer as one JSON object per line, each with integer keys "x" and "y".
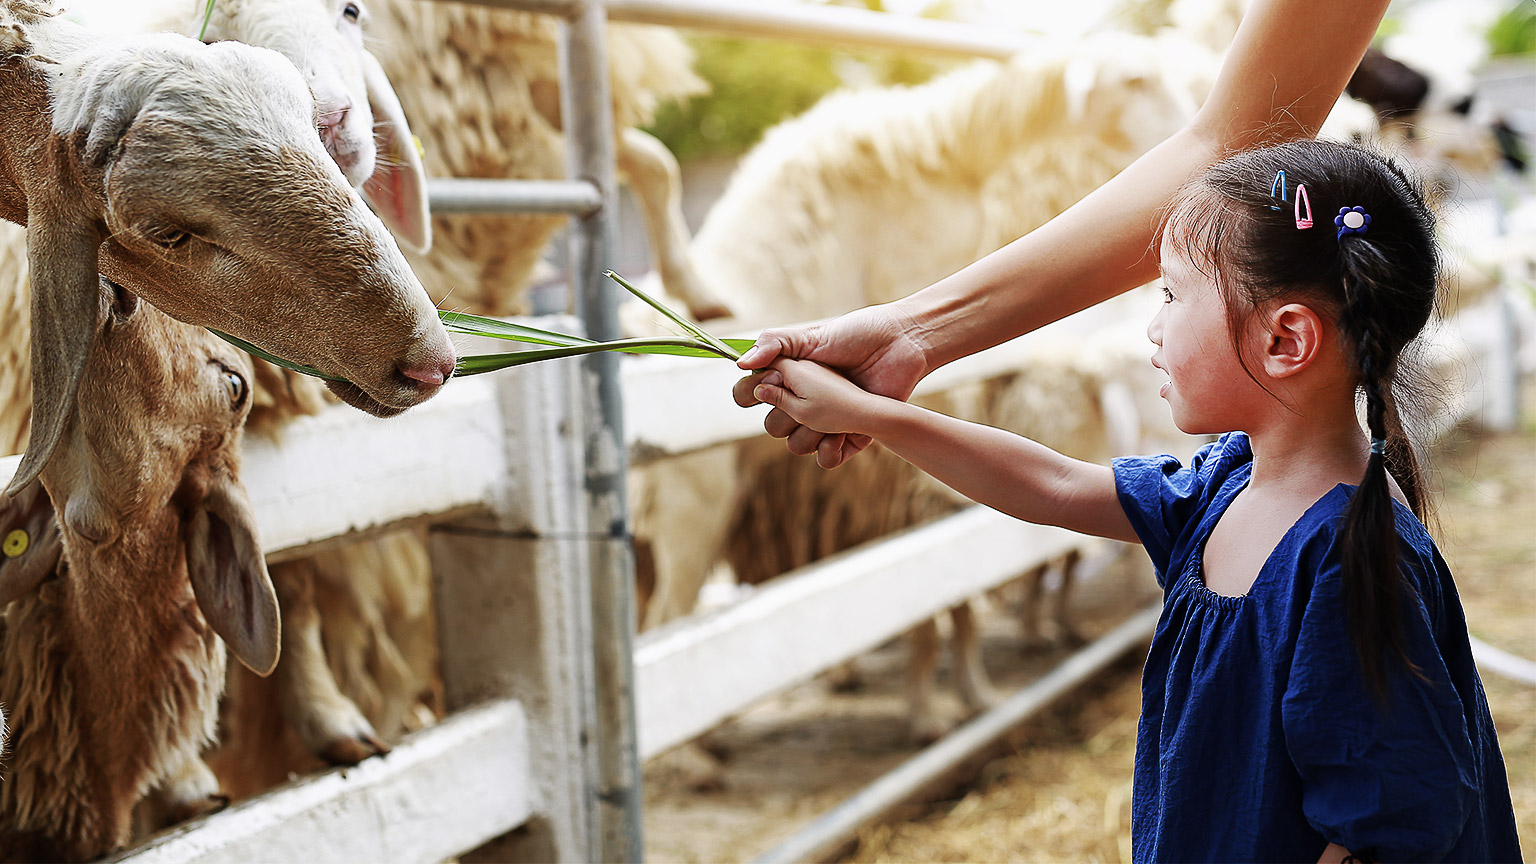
{"x": 467, "y": 195}
{"x": 614, "y": 758}
{"x": 833, "y": 25}
{"x": 1501, "y": 662}
{"x": 824, "y": 24}
{"x": 827, "y": 833}
{"x": 561, "y": 8}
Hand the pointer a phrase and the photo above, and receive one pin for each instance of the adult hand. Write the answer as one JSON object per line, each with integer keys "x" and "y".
{"x": 877, "y": 348}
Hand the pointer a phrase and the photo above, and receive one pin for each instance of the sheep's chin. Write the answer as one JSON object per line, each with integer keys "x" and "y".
{"x": 353, "y": 395}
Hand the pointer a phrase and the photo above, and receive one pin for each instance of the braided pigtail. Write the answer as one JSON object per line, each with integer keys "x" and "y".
{"x": 1372, "y": 584}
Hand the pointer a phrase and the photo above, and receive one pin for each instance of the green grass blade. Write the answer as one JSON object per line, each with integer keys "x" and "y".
{"x": 478, "y": 325}
{"x": 273, "y": 358}
{"x": 207, "y": 16}
{"x": 688, "y": 326}
{"x": 475, "y": 364}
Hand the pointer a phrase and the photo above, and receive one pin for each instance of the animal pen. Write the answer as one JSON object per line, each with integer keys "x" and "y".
{"x": 521, "y": 477}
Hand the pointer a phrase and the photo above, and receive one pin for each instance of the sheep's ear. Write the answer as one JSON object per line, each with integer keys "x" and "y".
{"x": 397, "y": 191}
{"x": 69, "y": 307}
{"x": 31, "y": 543}
{"x": 229, "y": 576}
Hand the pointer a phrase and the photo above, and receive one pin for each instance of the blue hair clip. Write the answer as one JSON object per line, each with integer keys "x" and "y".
{"x": 1277, "y": 188}
{"x": 1352, "y": 220}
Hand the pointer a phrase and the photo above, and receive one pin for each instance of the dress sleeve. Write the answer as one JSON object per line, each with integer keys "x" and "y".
{"x": 1159, "y": 495}
{"x": 1391, "y": 780}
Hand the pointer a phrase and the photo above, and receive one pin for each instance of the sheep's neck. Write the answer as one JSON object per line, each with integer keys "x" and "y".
{"x": 124, "y": 650}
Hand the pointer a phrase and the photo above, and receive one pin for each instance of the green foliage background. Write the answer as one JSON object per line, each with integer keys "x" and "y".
{"x": 1515, "y": 31}
{"x": 754, "y": 84}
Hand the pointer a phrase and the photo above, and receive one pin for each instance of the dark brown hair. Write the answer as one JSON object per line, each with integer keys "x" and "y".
{"x": 1378, "y": 286}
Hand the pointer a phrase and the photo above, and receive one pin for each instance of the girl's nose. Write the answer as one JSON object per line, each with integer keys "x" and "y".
{"x": 1155, "y": 329}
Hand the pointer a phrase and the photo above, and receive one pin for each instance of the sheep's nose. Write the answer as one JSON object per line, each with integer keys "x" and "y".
{"x": 332, "y": 118}
{"x": 431, "y": 372}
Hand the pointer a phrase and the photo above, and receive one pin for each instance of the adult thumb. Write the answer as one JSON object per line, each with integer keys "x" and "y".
{"x": 793, "y": 342}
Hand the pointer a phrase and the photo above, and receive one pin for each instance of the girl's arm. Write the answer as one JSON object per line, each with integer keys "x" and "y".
{"x": 1007, "y": 472}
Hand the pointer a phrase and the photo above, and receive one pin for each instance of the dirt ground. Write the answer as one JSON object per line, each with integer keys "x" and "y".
{"x": 1064, "y": 793}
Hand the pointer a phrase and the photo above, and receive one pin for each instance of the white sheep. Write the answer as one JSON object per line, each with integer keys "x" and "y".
{"x": 142, "y": 549}
{"x": 868, "y": 197}
{"x": 148, "y": 153}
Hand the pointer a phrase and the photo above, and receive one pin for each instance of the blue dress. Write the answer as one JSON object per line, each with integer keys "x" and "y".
{"x": 1258, "y": 740}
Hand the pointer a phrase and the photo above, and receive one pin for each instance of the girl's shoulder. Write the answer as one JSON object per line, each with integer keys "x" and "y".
{"x": 1318, "y": 541}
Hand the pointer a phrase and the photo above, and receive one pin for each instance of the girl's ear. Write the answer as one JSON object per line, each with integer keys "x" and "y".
{"x": 1293, "y": 336}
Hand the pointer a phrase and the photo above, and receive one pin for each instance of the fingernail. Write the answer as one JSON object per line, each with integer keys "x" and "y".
{"x": 772, "y": 377}
{"x": 747, "y": 357}
{"x": 760, "y": 393}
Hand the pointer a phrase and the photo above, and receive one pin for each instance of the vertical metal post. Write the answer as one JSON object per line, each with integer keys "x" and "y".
{"x": 588, "y": 119}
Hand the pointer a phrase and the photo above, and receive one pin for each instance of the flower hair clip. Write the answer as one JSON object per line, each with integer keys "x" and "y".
{"x": 1352, "y": 220}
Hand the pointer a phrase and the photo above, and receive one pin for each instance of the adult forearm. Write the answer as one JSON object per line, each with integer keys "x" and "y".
{"x": 1098, "y": 248}
{"x": 1285, "y": 69}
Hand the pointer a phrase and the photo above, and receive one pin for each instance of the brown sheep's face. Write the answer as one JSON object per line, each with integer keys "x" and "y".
{"x": 159, "y": 415}
{"x": 146, "y": 480}
{"x": 224, "y": 209}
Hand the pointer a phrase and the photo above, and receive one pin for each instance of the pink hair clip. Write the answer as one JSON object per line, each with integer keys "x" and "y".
{"x": 1303, "y": 222}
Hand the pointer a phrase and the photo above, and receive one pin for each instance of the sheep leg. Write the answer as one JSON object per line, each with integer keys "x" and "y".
{"x": 1060, "y": 612}
{"x": 189, "y": 791}
{"x": 970, "y": 675}
{"x": 329, "y": 724}
{"x": 924, "y": 726}
{"x": 1029, "y": 609}
{"x": 654, "y": 176}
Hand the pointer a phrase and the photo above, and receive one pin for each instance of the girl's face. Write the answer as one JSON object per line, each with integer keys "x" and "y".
{"x": 1208, "y": 389}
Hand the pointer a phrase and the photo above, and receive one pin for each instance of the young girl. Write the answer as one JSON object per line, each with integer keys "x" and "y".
{"x": 1310, "y": 693}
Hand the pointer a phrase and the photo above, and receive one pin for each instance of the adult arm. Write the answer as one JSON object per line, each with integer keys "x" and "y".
{"x": 1285, "y": 70}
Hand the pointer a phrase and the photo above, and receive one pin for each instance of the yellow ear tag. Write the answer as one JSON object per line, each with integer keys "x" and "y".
{"x": 15, "y": 543}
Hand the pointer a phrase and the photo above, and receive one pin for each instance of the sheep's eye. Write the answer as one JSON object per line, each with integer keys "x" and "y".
{"x": 234, "y": 382}
{"x": 170, "y": 238}
{"x": 351, "y": 12}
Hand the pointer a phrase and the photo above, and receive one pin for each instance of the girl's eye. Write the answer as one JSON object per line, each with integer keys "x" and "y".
{"x": 352, "y": 12}
{"x": 1167, "y": 295}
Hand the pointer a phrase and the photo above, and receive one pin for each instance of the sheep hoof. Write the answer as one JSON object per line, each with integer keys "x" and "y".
{"x": 185, "y": 810}
{"x": 845, "y": 679}
{"x": 350, "y": 751}
{"x": 925, "y": 730}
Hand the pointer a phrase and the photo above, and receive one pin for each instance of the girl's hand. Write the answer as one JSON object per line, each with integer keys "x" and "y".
{"x": 874, "y": 347}
{"x": 816, "y": 398}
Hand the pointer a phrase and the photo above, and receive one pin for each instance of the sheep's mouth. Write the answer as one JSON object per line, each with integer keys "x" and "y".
{"x": 354, "y": 395}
